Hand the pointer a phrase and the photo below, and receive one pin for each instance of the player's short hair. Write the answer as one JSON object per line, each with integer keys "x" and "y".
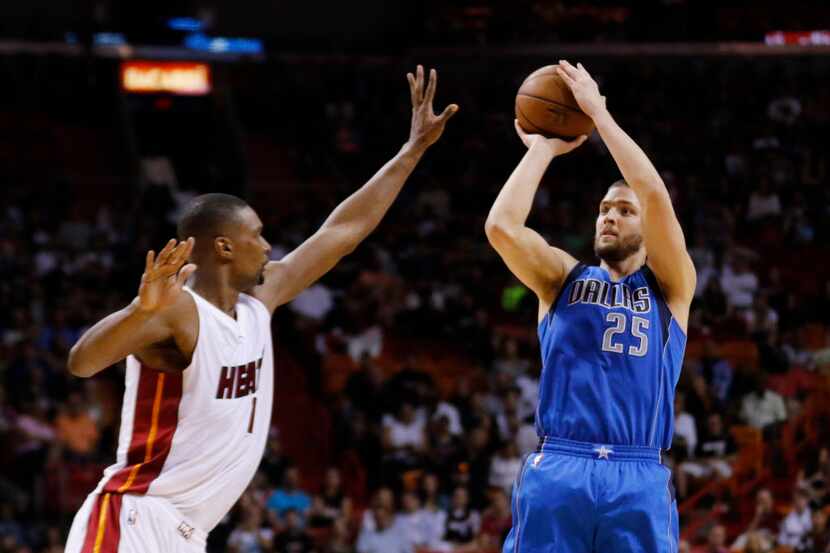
{"x": 618, "y": 183}
{"x": 207, "y": 215}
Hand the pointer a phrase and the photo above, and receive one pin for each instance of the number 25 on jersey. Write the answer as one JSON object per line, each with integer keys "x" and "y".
{"x": 619, "y": 324}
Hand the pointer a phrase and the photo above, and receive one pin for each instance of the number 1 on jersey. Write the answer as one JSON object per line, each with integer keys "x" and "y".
{"x": 253, "y": 414}
{"x": 619, "y": 321}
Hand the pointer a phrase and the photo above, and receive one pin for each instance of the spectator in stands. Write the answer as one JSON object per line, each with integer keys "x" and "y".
{"x": 75, "y": 429}
{"x": 445, "y": 449}
{"x": 764, "y": 203}
{"x": 11, "y": 532}
{"x": 762, "y": 408}
{"x": 818, "y": 539}
{"x": 54, "y": 541}
{"x": 716, "y": 541}
{"x": 412, "y": 384}
{"x": 404, "y": 439}
{"x": 293, "y": 538}
{"x": 450, "y": 411}
{"x": 714, "y": 455}
{"x": 463, "y": 522}
{"x": 685, "y": 431}
{"x": 714, "y": 305}
{"x": 698, "y": 398}
{"x": 367, "y": 340}
{"x": 764, "y": 523}
{"x": 75, "y": 231}
{"x": 477, "y": 463}
{"x": 797, "y": 524}
{"x": 495, "y": 521}
{"x": 432, "y": 511}
{"x": 331, "y": 504}
{"x": 411, "y": 520}
{"x": 772, "y": 357}
{"x": 528, "y": 385}
{"x": 756, "y": 543}
{"x": 57, "y": 336}
{"x": 816, "y": 482}
{"x": 35, "y": 435}
{"x": 739, "y": 282}
{"x": 505, "y": 409}
{"x": 505, "y": 466}
{"x": 761, "y": 320}
{"x": 384, "y": 536}
{"x": 341, "y": 539}
{"x": 509, "y": 360}
{"x": 704, "y": 259}
{"x": 365, "y": 388}
{"x": 385, "y": 498}
{"x": 289, "y": 496}
{"x": 250, "y": 536}
{"x": 716, "y": 371}
{"x": 797, "y": 355}
{"x": 313, "y": 303}
{"x": 274, "y": 462}
{"x": 797, "y": 224}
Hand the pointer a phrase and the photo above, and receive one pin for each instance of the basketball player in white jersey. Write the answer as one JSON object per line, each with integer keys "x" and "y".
{"x": 200, "y": 369}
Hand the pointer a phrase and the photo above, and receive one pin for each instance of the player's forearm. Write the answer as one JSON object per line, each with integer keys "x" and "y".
{"x": 636, "y": 168}
{"x": 110, "y": 340}
{"x": 361, "y": 212}
{"x": 514, "y": 202}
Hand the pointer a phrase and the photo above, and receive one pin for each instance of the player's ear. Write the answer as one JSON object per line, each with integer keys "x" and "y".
{"x": 223, "y": 246}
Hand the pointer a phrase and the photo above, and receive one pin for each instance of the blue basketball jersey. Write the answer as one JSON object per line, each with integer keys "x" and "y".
{"x": 611, "y": 357}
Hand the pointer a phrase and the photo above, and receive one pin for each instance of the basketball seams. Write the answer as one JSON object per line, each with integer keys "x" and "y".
{"x": 527, "y": 120}
{"x": 549, "y": 101}
{"x": 538, "y": 130}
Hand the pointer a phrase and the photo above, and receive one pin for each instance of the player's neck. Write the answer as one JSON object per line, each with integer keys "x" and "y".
{"x": 215, "y": 287}
{"x": 621, "y": 269}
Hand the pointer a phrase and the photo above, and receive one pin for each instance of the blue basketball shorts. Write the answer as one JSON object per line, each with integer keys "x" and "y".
{"x": 577, "y": 497}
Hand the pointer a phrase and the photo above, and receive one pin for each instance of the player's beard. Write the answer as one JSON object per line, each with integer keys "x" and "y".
{"x": 619, "y": 250}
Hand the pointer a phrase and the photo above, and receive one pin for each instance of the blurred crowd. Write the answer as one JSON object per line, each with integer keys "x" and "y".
{"x": 422, "y": 452}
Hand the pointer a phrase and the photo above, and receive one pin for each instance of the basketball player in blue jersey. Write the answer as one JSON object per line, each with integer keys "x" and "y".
{"x": 612, "y": 340}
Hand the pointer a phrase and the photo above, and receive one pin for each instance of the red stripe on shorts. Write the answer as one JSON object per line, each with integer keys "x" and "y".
{"x": 103, "y": 530}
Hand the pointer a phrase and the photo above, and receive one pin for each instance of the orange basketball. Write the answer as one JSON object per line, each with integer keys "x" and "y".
{"x": 545, "y": 105}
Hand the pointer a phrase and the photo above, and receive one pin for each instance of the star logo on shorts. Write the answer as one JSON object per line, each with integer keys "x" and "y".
{"x": 603, "y": 452}
{"x": 538, "y": 459}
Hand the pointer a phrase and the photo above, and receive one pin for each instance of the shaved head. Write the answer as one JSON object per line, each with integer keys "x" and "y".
{"x": 207, "y": 216}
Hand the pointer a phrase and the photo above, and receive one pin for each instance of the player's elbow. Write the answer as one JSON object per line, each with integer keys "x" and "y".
{"x": 76, "y": 364}
{"x": 498, "y": 232}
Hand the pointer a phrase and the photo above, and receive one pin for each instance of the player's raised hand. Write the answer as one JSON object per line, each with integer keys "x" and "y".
{"x": 426, "y": 127}
{"x": 557, "y": 146}
{"x": 164, "y": 275}
{"x": 583, "y": 86}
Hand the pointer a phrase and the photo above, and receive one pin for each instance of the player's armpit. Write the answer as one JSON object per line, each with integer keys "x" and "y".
{"x": 539, "y": 266}
{"x": 286, "y": 278}
{"x": 127, "y": 331}
{"x": 113, "y": 338}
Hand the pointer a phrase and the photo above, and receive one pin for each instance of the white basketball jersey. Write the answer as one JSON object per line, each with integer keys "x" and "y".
{"x": 196, "y": 438}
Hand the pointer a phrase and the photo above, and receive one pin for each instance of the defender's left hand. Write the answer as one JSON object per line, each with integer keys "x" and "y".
{"x": 426, "y": 127}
